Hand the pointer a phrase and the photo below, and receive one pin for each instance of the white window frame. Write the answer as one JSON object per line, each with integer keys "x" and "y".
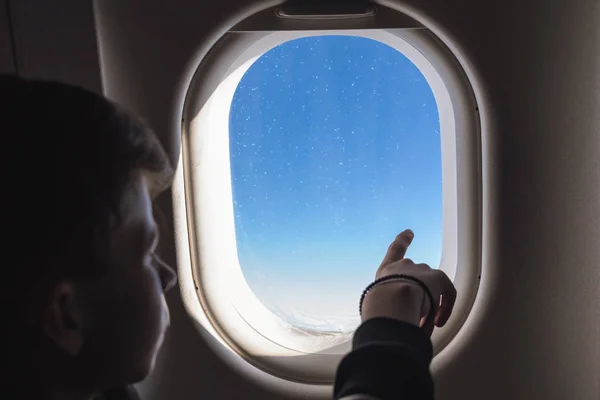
{"x": 213, "y": 286}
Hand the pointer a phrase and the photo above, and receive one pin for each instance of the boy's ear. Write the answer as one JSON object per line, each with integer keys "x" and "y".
{"x": 62, "y": 321}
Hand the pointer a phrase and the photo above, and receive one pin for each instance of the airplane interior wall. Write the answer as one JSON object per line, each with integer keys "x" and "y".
{"x": 534, "y": 330}
{"x": 7, "y": 62}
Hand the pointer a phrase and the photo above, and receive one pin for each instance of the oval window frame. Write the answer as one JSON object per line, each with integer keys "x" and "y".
{"x": 206, "y": 290}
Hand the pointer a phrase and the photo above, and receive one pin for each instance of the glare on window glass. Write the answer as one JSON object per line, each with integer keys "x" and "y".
{"x": 335, "y": 148}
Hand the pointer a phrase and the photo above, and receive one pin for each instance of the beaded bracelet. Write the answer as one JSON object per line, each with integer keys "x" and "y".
{"x": 399, "y": 277}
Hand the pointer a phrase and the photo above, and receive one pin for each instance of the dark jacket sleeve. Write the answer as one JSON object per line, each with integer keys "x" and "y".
{"x": 389, "y": 361}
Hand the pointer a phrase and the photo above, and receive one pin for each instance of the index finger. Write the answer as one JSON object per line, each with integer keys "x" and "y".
{"x": 397, "y": 249}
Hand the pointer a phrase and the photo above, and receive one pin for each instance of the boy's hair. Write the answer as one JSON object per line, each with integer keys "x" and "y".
{"x": 69, "y": 158}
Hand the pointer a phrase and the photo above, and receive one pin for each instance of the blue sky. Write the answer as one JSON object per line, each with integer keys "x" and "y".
{"x": 335, "y": 149}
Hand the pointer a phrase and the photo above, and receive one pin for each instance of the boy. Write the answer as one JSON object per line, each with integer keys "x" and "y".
{"x": 83, "y": 291}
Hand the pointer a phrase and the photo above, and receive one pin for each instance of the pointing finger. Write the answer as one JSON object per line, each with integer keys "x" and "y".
{"x": 398, "y": 248}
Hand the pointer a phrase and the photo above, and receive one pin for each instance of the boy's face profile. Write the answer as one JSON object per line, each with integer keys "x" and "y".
{"x": 112, "y": 326}
{"x": 84, "y": 302}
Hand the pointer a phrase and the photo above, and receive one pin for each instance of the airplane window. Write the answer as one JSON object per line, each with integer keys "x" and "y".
{"x": 303, "y": 154}
{"x": 334, "y": 148}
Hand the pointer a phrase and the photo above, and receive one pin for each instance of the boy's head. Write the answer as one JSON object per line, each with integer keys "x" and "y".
{"x": 82, "y": 290}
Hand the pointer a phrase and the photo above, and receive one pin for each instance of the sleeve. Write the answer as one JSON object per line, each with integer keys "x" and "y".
{"x": 389, "y": 361}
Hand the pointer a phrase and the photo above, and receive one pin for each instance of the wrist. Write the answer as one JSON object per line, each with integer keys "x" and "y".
{"x": 395, "y": 299}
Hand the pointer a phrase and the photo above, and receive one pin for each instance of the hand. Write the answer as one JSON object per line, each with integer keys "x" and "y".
{"x": 406, "y": 300}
